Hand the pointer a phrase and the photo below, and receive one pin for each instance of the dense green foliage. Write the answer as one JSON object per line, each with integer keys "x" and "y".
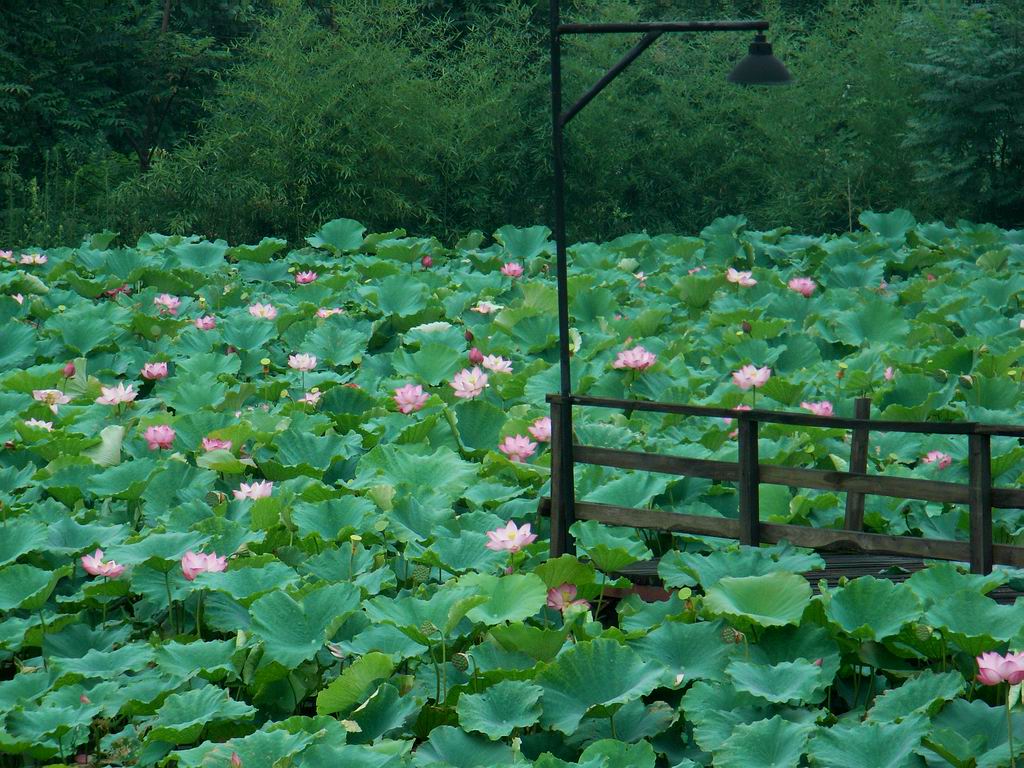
{"x": 361, "y": 619}
{"x": 245, "y": 117}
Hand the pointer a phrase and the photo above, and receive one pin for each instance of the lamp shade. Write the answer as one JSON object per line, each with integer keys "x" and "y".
{"x": 759, "y": 66}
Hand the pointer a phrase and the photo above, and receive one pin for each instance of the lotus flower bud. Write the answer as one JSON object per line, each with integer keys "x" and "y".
{"x": 476, "y": 356}
{"x": 427, "y": 262}
{"x": 469, "y": 335}
{"x": 746, "y": 327}
{"x": 69, "y": 370}
{"x": 236, "y": 761}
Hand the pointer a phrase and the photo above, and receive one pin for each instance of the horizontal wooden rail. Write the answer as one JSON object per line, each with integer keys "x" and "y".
{"x": 823, "y": 539}
{"x": 798, "y": 419}
{"x": 818, "y": 479}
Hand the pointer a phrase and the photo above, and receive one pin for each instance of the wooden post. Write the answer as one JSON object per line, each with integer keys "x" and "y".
{"x": 979, "y": 466}
{"x": 858, "y": 463}
{"x": 561, "y": 513}
{"x": 750, "y": 512}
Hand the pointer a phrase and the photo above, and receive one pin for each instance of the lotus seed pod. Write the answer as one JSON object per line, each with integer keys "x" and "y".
{"x": 460, "y": 661}
{"x": 428, "y": 628}
{"x": 421, "y": 573}
{"x": 923, "y": 632}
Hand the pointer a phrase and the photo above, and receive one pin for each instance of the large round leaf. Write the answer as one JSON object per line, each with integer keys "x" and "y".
{"x": 593, "y": 673}
{"x": 772, "y": 743}
{"x": 768, "y": 601}
{"x": 873, "y": 609}
{"x": 294, "y": 631}
{"x": 500, "y": 709}
{"x": 857, "y": 745}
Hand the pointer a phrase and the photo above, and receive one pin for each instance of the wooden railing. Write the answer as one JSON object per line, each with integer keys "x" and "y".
{"x": 749, "y": 473}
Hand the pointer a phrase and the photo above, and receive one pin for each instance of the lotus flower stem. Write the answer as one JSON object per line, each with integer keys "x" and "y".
{"x": 42, "y": 621}
{"x": 199, "y": 614}
{"x": 170, "y": 602}
{"x": 1009, "y": 728}
{"x": 103, "y": 619}
{"x": 450, "y": 418}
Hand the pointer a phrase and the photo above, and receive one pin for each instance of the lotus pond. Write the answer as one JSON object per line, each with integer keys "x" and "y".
{"x": 299, "y": 467}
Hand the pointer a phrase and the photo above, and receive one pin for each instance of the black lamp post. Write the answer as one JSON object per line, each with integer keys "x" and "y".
{"x": 759, "y": 67}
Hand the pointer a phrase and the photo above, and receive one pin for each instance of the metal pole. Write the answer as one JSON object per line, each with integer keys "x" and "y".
{"x": 564, "y": 505}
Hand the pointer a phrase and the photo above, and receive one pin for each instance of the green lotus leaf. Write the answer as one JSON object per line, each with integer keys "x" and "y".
{"x": 501, "y": 708}
{"x": 105, "y": 664}
{"x": 974, "y": 621}
{"x": 441, "y": 471}
{"x": 785, "y": 682}
{"x": 974, "y": 732}
{"x": 294, "y": 630}
{"x": 888, "y": 226}
{"x": 856, "y": 745}
{"x": 397, "y": 295}
{"x": 918, "y": 694}
{"x": 358, "y": 680}
{"x": 124, "y": 481}
{"x": 680, "y": 569}
{"x": 20, "y": 536}
{"x": 538, "y": 643}
{"x": 515, "y": 597}
{"x": 19, "y": 345}
{"x": 335, "y": 344}
{"x": 431, "y": 364}
{"x": 695, "y": 651}
{"x": 524, "y": 244}
{"x": 385, "y": 711}
{"x": 466, "y": 552}
{"x": 339, "y": 236}
{"x": 211, "y": 659}
{"x": 263, "y": 251}
{"x": 328, "y": 519}
{"x": 452, "y": 747}
{"x": 410, "y": 614}
{"x": 716, "y": 710}
{"x": 597, "y": 672}
{"x": 771, "y": 743}
{"x": 480, "y": 424}
{"x": 262, "y": 749}
{"x": 183, "y": 716}
{"x": 565, "y": 569}
{"x": 936, "y": 582}
{"x": 775, "y": 599}
{"x": 610, "y": 549}
{"x": 203, "y": 256}
{"x": 24, "y": 586}
{"x": 873, "y": 609}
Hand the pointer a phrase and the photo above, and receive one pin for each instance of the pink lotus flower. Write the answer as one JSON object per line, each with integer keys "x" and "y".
{"x": 302, "y": 362}
{"x": 889, "y": 374}
{"x": 641, "y": 279}
{"x": 117, "y": 395}
{"x": 637, "y": 359}
{"x": 695, "y": 270}
{"x": 476, "y": 356}
{"x": 113, "y": 292}
{"x": 52, "y": 397}
{"x": 168, "y": 304}
{"x": 258, "y": 490}
{"x": 39, "y": 424}
{"x": 18, "y": 298}
{"x": 943, "y": 460}
{"x": 159, "y": 436}
{"x": 206, "y": 323}
{"x": 510, "y": 538}
{"x": 325, "y": 312}
{"x": 33, "y": 258}
{"x": 266, "y": 311}
{"x": 745, "y": 279}
{"x": 512, "y": 269}
{"x": 194, "y": 563}
{"x": 154, "y": 371}
{"x": 469, "y": 383}
{"x": 486, "y": 307}
{"x": 410, "y": 398}
{"x": 95, "y": 566}
{"x": 750, "y": 376}
{"x": 7, "y": 256}
{"x": 737, "y": 408}
{"x": 824, "y": 408}
{"x": 497, "y": 364}
{"x": 803, "y": 285}
{"x": 236, "y": 761}
{"x": 310, "y": 398}
{"x": 305, "y": 278}
{"x": 994, "y": 669}
{"x": 216, "y": 444}
{"x": 518, "y": 448}
{"x": 541, "y": 429}
{"x": 563, "y": 597}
